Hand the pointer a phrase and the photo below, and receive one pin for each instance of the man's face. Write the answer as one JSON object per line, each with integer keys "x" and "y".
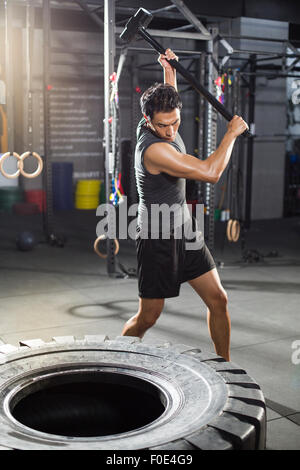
{"x": 166, "y": 125}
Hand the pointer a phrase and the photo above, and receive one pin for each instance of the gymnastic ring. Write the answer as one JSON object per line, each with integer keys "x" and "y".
{"x": 228, "y": 230}
{"x": 103, "y": 237}
{"x": 20, "y": 165}
{"x": 235, "y": 230}
{"x": 39, "y": 168}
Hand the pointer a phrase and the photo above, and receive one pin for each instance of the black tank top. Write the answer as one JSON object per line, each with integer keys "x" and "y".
{"x": 162, "y": 200}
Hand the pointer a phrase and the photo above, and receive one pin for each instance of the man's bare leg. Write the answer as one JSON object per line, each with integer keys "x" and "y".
{"x": 148, "y": 313}
{"x": 209, "y": 288}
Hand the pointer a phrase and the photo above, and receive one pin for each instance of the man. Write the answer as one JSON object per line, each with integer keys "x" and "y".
{"x": 162, "y": 165}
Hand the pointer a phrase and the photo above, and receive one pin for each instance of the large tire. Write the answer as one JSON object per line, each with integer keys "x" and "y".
{"x": 49, "y": 397}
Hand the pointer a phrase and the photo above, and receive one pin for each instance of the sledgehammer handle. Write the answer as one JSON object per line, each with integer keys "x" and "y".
{"x": 189, "y": 77}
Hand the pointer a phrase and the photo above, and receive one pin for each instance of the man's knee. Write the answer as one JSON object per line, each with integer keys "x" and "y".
{"x": 149, "y": 314}
{"x": 219, "y": 300}
{"x": 150, "y": 318}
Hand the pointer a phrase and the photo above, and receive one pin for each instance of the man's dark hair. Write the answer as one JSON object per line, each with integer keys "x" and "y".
{"x": 160, "y": 97}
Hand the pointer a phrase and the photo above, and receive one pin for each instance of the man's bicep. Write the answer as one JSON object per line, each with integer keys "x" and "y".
{"x": 165, "y": 158}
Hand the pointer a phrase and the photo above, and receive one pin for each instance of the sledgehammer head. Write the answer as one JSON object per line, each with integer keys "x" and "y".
{"x": 141, "y": 19}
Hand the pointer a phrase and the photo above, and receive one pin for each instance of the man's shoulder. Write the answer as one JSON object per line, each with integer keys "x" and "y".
{"x": 179, "y": 144}
{"x": 141, "y": 129}
{"x": 145, "y": 136}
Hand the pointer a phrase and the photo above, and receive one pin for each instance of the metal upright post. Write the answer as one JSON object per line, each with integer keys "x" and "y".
{"x": 9, "y": 75}
{"x": 109, "y": 56}
{"x": 236, "y": 152}
{"x": 28, "y": 102}
{"x": 200, "y": 126}
{"x": 48, "y": 215}
{"x": 211, "y": 143}
{"x": 135, "y": 118}
{"x": 201, "y": 105}
{"x": 250, "y": 142}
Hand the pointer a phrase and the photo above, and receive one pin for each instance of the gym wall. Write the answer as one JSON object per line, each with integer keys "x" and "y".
{"x": 77, "y": 100}
{"x": 270, "y": 116}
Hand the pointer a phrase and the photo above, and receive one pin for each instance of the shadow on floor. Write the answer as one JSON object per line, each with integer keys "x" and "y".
{"x": 262, "y": 286}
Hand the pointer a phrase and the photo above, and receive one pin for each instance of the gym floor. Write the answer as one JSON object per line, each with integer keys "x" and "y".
{"x": 52, "y": 291}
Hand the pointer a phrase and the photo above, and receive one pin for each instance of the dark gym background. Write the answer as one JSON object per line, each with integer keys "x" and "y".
{"x": 60, "y": 286}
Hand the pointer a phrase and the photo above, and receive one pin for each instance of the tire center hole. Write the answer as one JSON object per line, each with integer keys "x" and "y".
{"x": 87, "y": 403}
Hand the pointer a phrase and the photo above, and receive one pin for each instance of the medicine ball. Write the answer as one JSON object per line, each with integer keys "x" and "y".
{"x": 25, "y": 241}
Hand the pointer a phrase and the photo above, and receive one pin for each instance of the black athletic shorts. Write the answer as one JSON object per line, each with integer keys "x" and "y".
{"x": 163, "y": 265}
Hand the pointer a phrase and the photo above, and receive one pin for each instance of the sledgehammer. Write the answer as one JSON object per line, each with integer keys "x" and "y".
{"x": 137, "y": 26}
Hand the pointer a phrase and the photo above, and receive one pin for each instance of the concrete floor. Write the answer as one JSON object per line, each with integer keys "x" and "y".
{"x": 53, "y": 291}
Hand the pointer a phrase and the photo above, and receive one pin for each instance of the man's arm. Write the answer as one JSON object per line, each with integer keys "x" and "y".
{"x": 169, "y": 71}
{"x": 164, "y": 158}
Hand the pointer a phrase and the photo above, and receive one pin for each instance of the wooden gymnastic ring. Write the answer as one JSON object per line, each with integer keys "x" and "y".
{"x": 20, "y": 165}
{"x": 103, "y": 237}
{"x": 39, "y": 168}
{"x": 228, "y": 230}
{"x": 235, "y": 230}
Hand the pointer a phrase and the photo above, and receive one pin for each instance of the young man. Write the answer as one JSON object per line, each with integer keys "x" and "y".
{"x": 162, "y": 165}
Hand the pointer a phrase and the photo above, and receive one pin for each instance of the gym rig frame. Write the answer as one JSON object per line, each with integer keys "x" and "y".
{"x": 209, "y": 67}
